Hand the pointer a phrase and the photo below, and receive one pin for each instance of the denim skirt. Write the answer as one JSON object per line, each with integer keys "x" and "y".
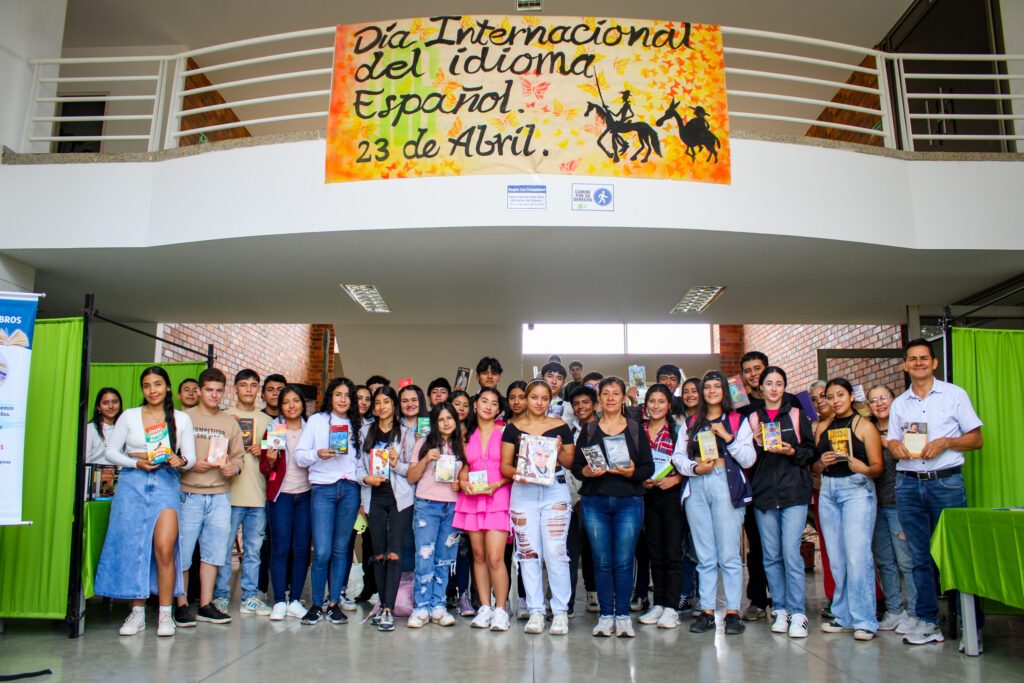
{"x": 127, "y": 567}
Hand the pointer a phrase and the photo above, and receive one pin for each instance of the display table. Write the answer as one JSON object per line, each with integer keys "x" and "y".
{"x": 980, "y": 551}
{"x": 94, "y": 531}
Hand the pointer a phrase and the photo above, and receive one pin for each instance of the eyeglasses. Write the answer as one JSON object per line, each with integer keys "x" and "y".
{"x": 879, "y": 400}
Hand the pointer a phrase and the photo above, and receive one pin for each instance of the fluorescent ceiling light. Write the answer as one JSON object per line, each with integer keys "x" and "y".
{"x": 529, "y": 5}
{"x": 368, "y": 297}
{"x": 698, "y": 299}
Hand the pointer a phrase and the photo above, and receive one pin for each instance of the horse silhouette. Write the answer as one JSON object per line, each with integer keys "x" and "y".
{"x": 694, "y": 133}
{"x": 646, "y": 135}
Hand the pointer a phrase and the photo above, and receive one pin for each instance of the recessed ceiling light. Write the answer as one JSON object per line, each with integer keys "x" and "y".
{"x": 529, "y": 5}
{"x": 368, "y": 297}
{"x": 698, "y": 299}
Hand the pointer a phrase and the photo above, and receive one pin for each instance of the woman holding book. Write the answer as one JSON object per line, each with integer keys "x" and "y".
{"x": 851, "y": 458}
{"x": 613, "y": 459}
{"x": 534, "y": 450}
{"x": 388, "y": 497}
{"x": 288, "y": 505}
{"x": 144, "y": 514}
{"x": 329, "y": 448}
{"x": 436, "y": 462}
{"x": 717, "y": 446}
{"x": 105, "y": 411}
{"x": 781, "y": 485}
{"x": 663, "y": 516}
{"x": 412, "y": 405}
{"x": 482, "y": 510}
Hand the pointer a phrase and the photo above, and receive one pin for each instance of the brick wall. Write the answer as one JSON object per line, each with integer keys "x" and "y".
{"x": 727, "y": 340}
{"x": 794, "y": 349}
{"x": 290, "y": 350}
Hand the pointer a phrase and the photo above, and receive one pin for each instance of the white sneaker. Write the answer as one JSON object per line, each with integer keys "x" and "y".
{"x": 863, "y": 634}
{"x": 419, "y": 618}
{"x": 296, "y": 610}
{"x": 221, "y": 604}
{"x": 927, "y": 633}
{"x": 592, "y": 604}
{"x": 483, "y": 617}
{"x": 798, "y": 626}
{"x": 135, "y": 622}
{"x": 605, "y": 627}
{"x": 781, "y": 623}
{"x": 165, "y": 624}
{"x": 559, "y": 624}
{"x": 440, "y": 616}
{"x": 500, "y": 619}
{"x": 535, "y": 623}
{"x": 279, "y": 612}
{"x": 890, "y": 620}
{"x": 624, "y": 627}
{"x": 347, "y": 603}
{"x": 253, "y": 605}
{"x": 652, "y": 616}
{"x": 669, "y": 618}
{"x": 522, "y": 611}
{"x": 910, "y": 624}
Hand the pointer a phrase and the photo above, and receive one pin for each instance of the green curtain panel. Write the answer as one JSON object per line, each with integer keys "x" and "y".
{"x": 125, "y": 378}
{"x": 35, "y": 560}
{"x": 989, "y": 365}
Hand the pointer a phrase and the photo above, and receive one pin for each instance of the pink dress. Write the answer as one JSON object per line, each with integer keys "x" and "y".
{"x": 481, "y": 512}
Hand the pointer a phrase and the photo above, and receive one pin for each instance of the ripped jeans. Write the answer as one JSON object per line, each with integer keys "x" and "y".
{"x": 437, "y": 545}
{"x": 540, "y": 521}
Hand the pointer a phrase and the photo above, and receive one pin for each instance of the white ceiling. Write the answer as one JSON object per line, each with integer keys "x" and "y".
{"x": 198, "y": 23}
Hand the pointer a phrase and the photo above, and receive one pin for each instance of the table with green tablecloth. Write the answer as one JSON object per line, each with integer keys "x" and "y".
{"x": 94, "y": 531}
{"x": 980, "y": 551}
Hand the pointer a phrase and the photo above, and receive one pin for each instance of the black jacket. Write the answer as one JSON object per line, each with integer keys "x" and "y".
{"x": 777, "y": 480}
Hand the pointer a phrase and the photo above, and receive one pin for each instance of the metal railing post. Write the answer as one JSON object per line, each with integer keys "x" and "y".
{"x": 885, "y": 101}
{"x": 30, "y": 114}
{"x": 158, "y": 107}
{"x": 176, "y": 101}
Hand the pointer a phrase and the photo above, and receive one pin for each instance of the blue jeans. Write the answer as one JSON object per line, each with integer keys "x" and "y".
{"x": 254, "y": 526}
{"x": 781, "y": 534}
{"x": 920, "y": 503}
{"x": 847, "y": 506}
{"x": 290, "y": 530}
{"x": 892, "y": 556}
{"x": 437, "y": 545}
{"x": 204, "y": 517}
{"x": 334, "y": 508}
{"x": 613, "y": 525}
{"x": 715, "y": 529}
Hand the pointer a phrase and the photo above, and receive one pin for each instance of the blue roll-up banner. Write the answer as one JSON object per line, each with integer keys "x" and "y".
{"x": 17, "y": 324}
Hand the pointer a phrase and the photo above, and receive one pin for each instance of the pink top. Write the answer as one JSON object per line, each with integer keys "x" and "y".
{"x": 296, "y": 479}
{"x": 491, "y": 462}
{"x": 429, "y": 488}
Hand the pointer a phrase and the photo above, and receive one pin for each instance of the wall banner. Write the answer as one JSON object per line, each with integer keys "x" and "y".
{"x": 17, "y": 323}
{"x": 467, "y": 95}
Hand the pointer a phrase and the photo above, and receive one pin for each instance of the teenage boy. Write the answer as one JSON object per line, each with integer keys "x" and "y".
{"x": 188, "y": 393}
{"x": 554, "y": 374}
{"x": 488, "y": 372}
{"x": 592, "y": 380}
{"x": 930, "y": 481}
{"x": 576, "y": 372}
{"x": 273, "y": 385}
{"x": 375, "y": 382}
{"x": 752, "y": 364}
{"x": 205, "y": 502}
{"x": 438, "y": 390}
{"x": 248, "y": 501}
{"x": 583, "y": 402}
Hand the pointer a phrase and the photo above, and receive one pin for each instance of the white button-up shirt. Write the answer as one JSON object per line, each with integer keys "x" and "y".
{"x": 948, "y": 412}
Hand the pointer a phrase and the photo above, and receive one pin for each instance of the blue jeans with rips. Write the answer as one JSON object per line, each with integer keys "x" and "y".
{"x": 437, "y": 545}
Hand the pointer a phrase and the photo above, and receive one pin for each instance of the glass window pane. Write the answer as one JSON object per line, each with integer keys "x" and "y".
{"x": 569, "y": 338}
{"x": 674, "y": 338}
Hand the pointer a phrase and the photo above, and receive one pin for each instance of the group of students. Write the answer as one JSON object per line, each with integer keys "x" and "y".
{"x": 877, "y": 505}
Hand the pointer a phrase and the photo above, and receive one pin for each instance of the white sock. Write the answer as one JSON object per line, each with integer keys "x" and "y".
{"x": 141, "y": 611}
{"x": 165, "y": 609}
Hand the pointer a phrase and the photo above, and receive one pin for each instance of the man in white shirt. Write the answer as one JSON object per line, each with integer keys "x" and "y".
{"x": 929, "y": 481}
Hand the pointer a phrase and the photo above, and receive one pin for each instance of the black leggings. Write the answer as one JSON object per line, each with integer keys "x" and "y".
{"x": 663, "y": 527}
{"x": 388, "y": 528}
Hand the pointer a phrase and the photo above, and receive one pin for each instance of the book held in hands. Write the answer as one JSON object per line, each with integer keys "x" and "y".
{"x": 771, "y": 435}
{"x": 617, "y": 451}
{"x": 422, "y": 427}
{"x": 444, "y": 468}
{"x": 538, "y": 458}
{"x": 338, "y": 439}
{"x": 841, "y": 441}
{"x": 277, "y": 436}
{"x": 158, "y": 443}
{"x": 380, "y": 462}
{"x": 246, "y": 425}
{"x": 478, "y": 481}
{"x": 595, "y": 458}
{"x": 662, "y": 464}
{"x": 737, "y": 392}
{"x": 915, "y": 437}
{"x": 218, "y": 451}
{"x": 461, "y": 379}
{"x": 708, "y": 444}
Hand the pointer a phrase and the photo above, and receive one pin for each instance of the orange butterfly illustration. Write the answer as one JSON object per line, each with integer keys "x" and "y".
{"x": 569, "y": 166}
{"x": 535, "y": 88}
{"x": 422, "y": 31}
{"x": 443, "y": 83}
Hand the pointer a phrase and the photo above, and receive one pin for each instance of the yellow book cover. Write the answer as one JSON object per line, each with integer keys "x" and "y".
{"x": 708, "y": 446}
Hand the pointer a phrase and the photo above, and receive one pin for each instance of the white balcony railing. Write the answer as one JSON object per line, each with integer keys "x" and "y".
{"x": 775, "y": 83}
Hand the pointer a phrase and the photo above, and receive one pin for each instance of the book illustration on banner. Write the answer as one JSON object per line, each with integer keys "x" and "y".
{"x": 422, "y": 427}
{"x": 771, "y": 435}
{"x": 462, "y": 379}
{"x": 277, "y": 436}
{"x": 538, "y": 458}
{"x": 444, "y": 469}
{"x": 246, "y": 425}
{"x": 617, "y": 451}
{"x": 915, "y": 436}
{"x": 662, "y": 464}
{"x": 158, "y": 443}
{"x": 841, "y": 441}
{"x": 707, "y": 442}
{"x": 595, "y": 458}
{"x": 218, "y": 451}
{"x": 380, "y": 462}
{"x": 737, "y": 392}
{"x": 478, "y": 481}
{"x": 403, "y": 383}
{"x": 338, "y": 439}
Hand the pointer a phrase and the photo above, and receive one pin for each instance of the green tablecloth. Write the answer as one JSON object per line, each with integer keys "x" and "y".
{"x": 981, "y": 551}
{"x": 94, "y": 530}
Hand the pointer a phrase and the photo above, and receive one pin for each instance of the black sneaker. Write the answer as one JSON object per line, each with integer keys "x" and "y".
{"x": 387, "y": 621}
{"x": 312, "y": 615}
{"x": 335, "y": 615}
{"x": 183, "y": 617}
{"x": 826, "y": 611}
{"x": 733, "y": 625}
{"x": 211, "y": 614}
{"x": 364, "y": 596}
{"x": 704, "y": 622}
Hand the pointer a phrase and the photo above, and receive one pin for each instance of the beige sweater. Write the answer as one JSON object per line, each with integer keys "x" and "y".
{"x": 206, "y": 427}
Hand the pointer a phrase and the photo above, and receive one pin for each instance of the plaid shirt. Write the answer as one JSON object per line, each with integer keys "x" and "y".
{"x": 663, "y": 443}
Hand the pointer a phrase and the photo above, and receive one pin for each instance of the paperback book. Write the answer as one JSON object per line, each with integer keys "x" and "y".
{"x": 915, "y": 437}
{"x": 218, "y": 451}
{"x": 538, "y": 458}
{"x": 158, "y": 443}
{"x": 380, "y": 462}
{"x": 737, "y": 392}
{"x": 462, "y": 379}
{"x": 617, "y": 451}
{"x": 840, "y": 439}
{"x": 245, "y": 424}
{"x": 858, "y": 393}
{"x": 662, "y": 464}
{"x": 277, "y": 436}
{"x": 422, "y": 427}
{"x": 771, "y": 435}
{"x": 444, "y": 469}
{"x": 478, "y": 481}
{"x": 595, "y": 458}
{"x": 101, "y": 481}
{"x": 708, "y": 444}
{"x": 637, "y": 376}
{"x": 403, "y": 383}
{"x": 338, "y": 439}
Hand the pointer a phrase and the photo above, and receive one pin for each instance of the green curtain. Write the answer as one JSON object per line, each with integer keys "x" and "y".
{"x": 35, "y": 561}
{"x": 125, "y": 378}
{"x": 989, "y": 365}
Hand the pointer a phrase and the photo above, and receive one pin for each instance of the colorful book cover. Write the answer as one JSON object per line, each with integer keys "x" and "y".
{"x": 708, "y": 444}
{"x": 595, "y": 458}
{"x": 771, "y": 435}
{"x": 462, "y": 379}
{"x": 338, "y": 439}
{"x": 444, "y": 469}
{"x": 478, "y": 481}
{"x": 915, "y": 436}
{"x": 858, "y": 393}
{"x": 245, "y": 424}
{"x": 538, "y": 458}
{"x": 277, "y": 436}
{"x": 380, "y": 462}
{"x": 662, "y": 464}
{"x": 737, "y": 392}
{"x": 637, "y": 375}
{"x": 840, "y": 439}
{"x": 218, "y": 451}
{"x": 403, "y": 383}
{"x": 555, "y": 408}
{"x": 616, "y": 450}
{"x": 158, "y": 443}
{"x": 422, "y": 427}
